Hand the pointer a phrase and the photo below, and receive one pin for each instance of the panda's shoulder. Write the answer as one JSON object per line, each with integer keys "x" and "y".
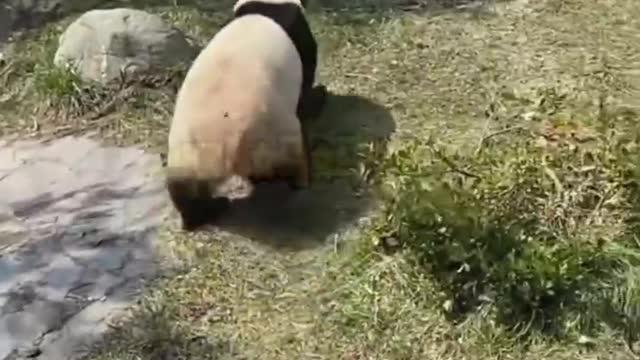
{"x": 284, "y": 13}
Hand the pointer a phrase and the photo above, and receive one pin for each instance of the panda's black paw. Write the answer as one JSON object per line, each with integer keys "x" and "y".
{"x": 313, "y": 103}
{"x": 204, "y": 212}
{"x": 318, "y": 100}
{"x": 190, "y": 224}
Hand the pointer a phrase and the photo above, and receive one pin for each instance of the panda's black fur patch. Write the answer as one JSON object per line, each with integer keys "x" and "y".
{"x": 195, "y": 205}
{"x": 290, "y": 17}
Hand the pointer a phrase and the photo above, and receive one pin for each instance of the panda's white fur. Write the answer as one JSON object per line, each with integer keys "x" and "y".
{"x": 235, "y": 117}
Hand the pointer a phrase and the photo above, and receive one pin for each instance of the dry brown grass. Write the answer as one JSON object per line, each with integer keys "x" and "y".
{"x": 458, "y": 77}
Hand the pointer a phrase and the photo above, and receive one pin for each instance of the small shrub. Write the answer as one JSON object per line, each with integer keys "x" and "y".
{"x": 540, "y": 225}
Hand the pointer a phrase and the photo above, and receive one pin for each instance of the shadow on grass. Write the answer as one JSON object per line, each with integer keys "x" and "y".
{"x": 337, "y": 195}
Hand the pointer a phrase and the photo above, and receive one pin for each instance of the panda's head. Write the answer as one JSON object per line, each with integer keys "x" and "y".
{"x": 301, "y": 3}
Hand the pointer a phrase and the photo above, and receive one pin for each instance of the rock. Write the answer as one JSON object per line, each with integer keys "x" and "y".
{"x": 101, "y": 44}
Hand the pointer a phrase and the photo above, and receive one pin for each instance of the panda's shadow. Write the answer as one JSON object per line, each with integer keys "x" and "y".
{"x": 281, "y": 218}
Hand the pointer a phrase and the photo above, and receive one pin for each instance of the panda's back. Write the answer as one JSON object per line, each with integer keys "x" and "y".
{"x": 250, "y": 49}
{"x": 244, "y": 84}
{"x": 255, "y": 35}
{"x": 251, "y": 59}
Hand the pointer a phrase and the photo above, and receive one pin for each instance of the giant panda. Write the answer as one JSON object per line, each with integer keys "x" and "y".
{"x": 290, "y": 15}
{"x": 235, "y": 120}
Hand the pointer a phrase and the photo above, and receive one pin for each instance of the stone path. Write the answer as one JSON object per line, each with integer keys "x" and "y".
{"x": 77, "y": 224}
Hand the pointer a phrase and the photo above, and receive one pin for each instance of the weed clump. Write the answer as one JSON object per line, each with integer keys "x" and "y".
{"x": 539, "y": 224}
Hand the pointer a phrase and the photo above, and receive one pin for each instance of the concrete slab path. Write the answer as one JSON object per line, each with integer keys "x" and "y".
{"x": 77, "y": 225}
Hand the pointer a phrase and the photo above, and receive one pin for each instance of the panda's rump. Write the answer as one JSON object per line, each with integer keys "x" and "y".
{"x": 268, "y": 145}
{"x": 246, "y": 133}
{"x": 235, "y": 112}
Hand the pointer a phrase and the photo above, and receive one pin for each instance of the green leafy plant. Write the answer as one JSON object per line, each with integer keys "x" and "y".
{"x": 529, "y": 224}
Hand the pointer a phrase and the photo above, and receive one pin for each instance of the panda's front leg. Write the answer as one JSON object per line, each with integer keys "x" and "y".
{"x": 312, "y": 102}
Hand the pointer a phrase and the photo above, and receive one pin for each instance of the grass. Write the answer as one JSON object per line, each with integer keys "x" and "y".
{"x": 500, "y": 149}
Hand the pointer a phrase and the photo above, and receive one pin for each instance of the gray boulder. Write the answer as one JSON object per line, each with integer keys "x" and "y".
{"x": 101, "y": 44}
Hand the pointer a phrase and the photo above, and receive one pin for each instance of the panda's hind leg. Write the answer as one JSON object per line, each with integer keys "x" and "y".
{"x": 193, "y": 201}
{"x": 301, "y": 176}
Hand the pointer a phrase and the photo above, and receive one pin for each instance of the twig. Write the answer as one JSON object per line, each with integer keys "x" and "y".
{"x": 451, "y": 165}
{"x": 105, "y": 109}
{"x": 355, "y": 75}
{"x": 494, "y": 134}
{"x": 552, "y": 175}
{"x": 629, "y": 342}
{"x": 6, "y": 70}
{"x": 605, "y": 196}
{"x": 527, "y": 327}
